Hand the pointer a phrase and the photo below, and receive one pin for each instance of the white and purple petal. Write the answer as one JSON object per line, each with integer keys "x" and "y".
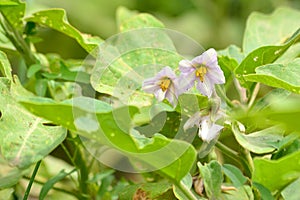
{"x": 206, "y": 87}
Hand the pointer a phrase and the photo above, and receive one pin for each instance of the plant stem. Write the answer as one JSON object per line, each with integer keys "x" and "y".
{"x": 17, "y": 40}
{"x": 187, "y": 192}
{"x": 249, "y": 160}
{"x": 54, "y": 188}
{"x": 241, "y": 91}
{"x": 67, "y": 153}
{"x": 229, "y": 152}
{"x": 31, "y": 180}
{"x": 236, "y": 157}
{"x": 254, "y": 94}
{"x": 223, "y": 96}
{"x": 80, "y": 163}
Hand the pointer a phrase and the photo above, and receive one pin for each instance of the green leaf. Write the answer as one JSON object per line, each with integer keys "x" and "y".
{"x": 286, "y": 112}
{"x": 232, "y": 52}
{"x": 41, "y": 87}
{"x": 187, "y": 181}
{"x": 104, "y": 189}
{"x": 5, "y": 67}
{"x": 262, "y": 56}
{"x": 243, "y": 192}
{"x": 264, "y": 30}
{"x": 33, "y": 69}
{"x": 124, "y": 14}
{"x": 51, "y": 182}
{"x": 235, "y": 175}
{"x": 265, "y": 194}
{"x": 276, "y": 174}
{"x": 9, "y": 175}
{"x": 284, "y": 76}
{"x": 291, "y": 191}
{"x": 228, "y": 60}
{"x": 211, "y": 174}
{"x": 14, "y": 12}
{"x": 101, "y": 175}
{"x": 8, "y": 3}
{"x": 25, "y": 139}
{"x": 128, "y": 59}
{"x": 57, "y": 20}
{"x": 279, "y": 108}
{"x": 129, "y": 20}
{"x": 260, "y": 142}
{"x": 97, "y": 121}
{"x": 147, "y": 190}
{"x": 6, "y": 194}
{"x": 292, "y": 53}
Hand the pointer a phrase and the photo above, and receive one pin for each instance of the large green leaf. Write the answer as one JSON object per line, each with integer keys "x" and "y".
{"x": 127, "y": 59}
{"x": 262, "y": 56}
{"x": 285, "y": 76}
{"x": 97, "y": 121}
{"x": 57, "y": 20}
{"x": 260, "y": 142}
{"x": 276, "y": 174}
{"x": 24, "y": 138}
{"x": 264, "y": 30}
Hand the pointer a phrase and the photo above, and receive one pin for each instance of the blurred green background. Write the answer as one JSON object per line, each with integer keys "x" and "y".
{"x": 212, "y": 23}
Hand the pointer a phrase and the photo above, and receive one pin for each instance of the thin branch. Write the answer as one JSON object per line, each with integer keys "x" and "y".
{"x": 54, "y": 188}
{"x": 31, "y": 180}
{"x": 254, "y": 94}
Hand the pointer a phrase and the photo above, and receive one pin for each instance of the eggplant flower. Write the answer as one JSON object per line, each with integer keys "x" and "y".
{"x": 203, "y": 69}
{"x": 163, "y": 85}
{"x": 208, "y": 130}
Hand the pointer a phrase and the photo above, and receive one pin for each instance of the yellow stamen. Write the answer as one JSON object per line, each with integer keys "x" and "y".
{"x": 165, "y": 84}
{"x": 200, "y": 72}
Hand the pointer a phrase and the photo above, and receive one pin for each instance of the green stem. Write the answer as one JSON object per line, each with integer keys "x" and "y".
{"x": 32, "y": 180}
{"x": 54, "y": 188}
{"x": 17, "y": 40}
{"x": 249, "y": 160}
{"x": 236, "y": 157}
{"x": 223, "y": 96}
{"x": 67, "y": 153}
{"x": 241, "y": 91}
{"x": 80, "y": 164}
{"x": 229, "y": 152}
{"x": 186, "y": 191}
{"x": 254, "y": 94}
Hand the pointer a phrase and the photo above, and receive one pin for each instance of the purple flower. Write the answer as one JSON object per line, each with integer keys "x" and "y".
{"x": 208, "y": 130}
{"x": 203, "y": 69}
{"x": 163, "y": 85}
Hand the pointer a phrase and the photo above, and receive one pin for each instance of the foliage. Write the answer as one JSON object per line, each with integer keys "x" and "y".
{"x": 96, "y": 121}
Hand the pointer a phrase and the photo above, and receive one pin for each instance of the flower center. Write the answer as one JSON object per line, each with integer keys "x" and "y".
{"x": 165, "y": 83}
{"x": 201, "y": 71}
